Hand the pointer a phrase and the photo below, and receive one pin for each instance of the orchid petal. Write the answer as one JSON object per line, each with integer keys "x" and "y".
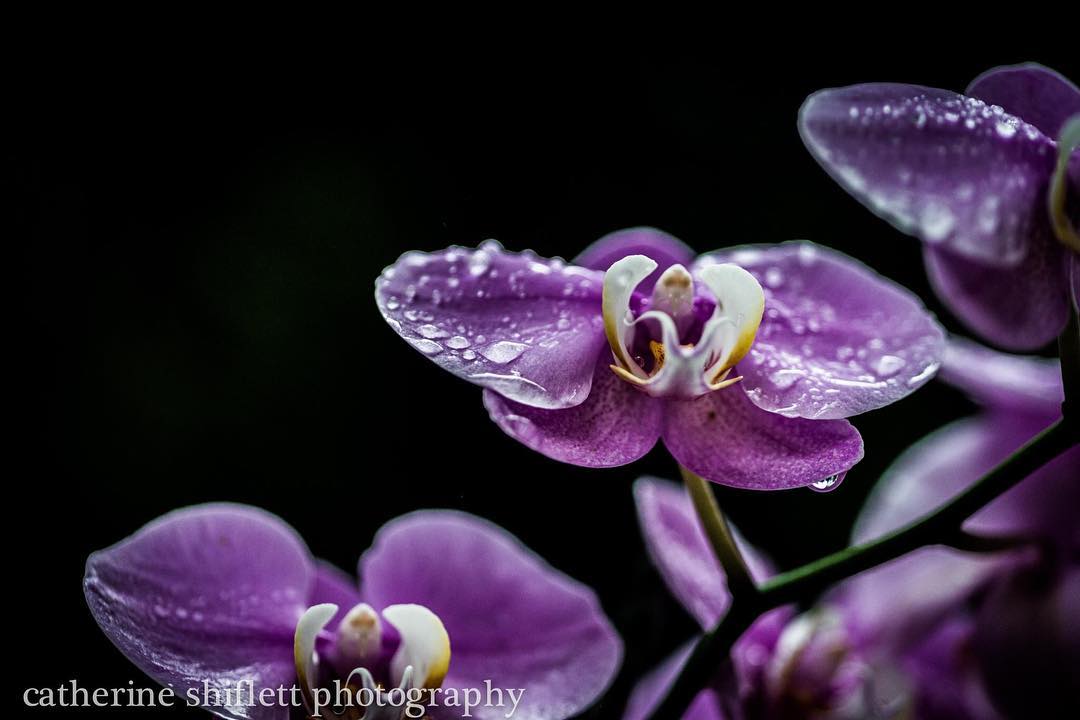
{"x": 1019, "y": 308}
{"x": 208, "y": 593}
{"x": 1043, "y": 97}
{"x": 652, "y": 689}
{"x": 959, "y": 174}
{"x": 663, "y": 249}
{"x": 725, "y": 438}
{"x": 512, "y": 619}
{"x": 837, "y": 339}
{"x": 949, "y": 460}
{"x": 1002, "y": 381}
{"x": 615, "y": 426}
{"x": 525, "y": 327}
{"x": 679, "y": 548}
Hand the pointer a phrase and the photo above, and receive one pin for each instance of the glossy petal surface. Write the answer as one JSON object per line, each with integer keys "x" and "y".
{"x": 725, "y": 438}
{"x": 837, "y": 339}
{"x": 525, "y": 327}
{"x": 511, "y": 617}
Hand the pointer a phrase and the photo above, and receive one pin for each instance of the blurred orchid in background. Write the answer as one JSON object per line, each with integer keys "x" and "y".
{"x": 745, "y": 361}
{"x": 988, "y": 180}
{"x": 229, "y": 595}
{"x": 932, "y": 634}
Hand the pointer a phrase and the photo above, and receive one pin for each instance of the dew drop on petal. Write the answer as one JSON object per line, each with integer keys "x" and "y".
{"x": 888, "y": 365}
{"x": 428, "y": 347}
{"x": 431, "y": 332}
{"x": 457, "y": 342}
{"x": 503, "y": 351}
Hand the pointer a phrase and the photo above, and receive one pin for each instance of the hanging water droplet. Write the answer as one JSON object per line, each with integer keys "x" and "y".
{"x": 830, "y": 483}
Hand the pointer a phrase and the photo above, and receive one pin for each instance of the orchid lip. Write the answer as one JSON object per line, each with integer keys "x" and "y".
{"x": 677, "y": 368}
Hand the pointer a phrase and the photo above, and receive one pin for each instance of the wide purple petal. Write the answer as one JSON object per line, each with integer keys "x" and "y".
{"x": 1039, "y": 95}
{"x": 951, "y": 170}
{"x": 1019, "y": 308}
{"x": 208, "y": 593}
{"x": 837, "y": 339}
{"x": 725, "y": 438}
{"x": 1001, "y": 381}
{"x": 526, "y": 327}
{"x": 652, "y": 688}
{"x": 616, "y": 425}
{"x": 666, "y": 250}
{"x": 949, "y": 460}
{"x": 511, "y": 617}
{"x": 678, "y": 546}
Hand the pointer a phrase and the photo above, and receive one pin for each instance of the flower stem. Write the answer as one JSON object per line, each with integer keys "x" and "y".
{"x": 1069, "y": 352}
{"x": 719, "y": 534}
{"x": 939, "y": 526}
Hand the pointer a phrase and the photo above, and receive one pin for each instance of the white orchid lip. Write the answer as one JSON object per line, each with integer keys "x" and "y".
{"x": 681, "y": 370}
{"x": 422, "y": 658}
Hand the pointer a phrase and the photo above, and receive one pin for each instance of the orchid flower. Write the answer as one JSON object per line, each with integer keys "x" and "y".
{"x": 229, "y": 596}
{"x": 746, "y": 362}
{"x": 909, "y": 636}
{"x": 988, "y": 180}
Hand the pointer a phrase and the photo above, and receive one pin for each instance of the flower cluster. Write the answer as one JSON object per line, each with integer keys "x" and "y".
{"x": 746, "y": 362}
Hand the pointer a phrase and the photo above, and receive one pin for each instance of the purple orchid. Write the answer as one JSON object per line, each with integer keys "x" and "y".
{"x": 229, "y": 596}
{"x": 746, "y": 364}
{"x": 979, "y": 179}
{"x": 908, "y": 635}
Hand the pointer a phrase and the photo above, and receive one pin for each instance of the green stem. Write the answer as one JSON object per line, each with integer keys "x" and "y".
{"x": 938, "y": 527}
{"x": 719, "y": 534}
{"x": 1069, "y": 352}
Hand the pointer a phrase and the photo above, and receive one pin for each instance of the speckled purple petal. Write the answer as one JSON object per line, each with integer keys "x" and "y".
{"x": 511, "y": 617}
{"x": 615, "y": 426}
{"x": 1019, "y": 308}
{"x": 526, "y": 327}
{"x": 680, "y": 550}
{"x": 208, "y": 593}
{"x": 999, "y": 380}
{"x": 837, "y": 339}
{"x": 951, "y": 170}
{"x": 651, "y": 689}
{"x": 666, "y": 250}
{"x": 1039, "y": 95}
{"x": 949, "y": 460}
{"x": 725, "y": 438}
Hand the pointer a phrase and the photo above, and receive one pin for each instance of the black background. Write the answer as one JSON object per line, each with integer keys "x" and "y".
{"x": 203, "y": 234}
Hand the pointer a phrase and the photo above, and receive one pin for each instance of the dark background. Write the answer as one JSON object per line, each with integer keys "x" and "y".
{"x": 202, "y": 238}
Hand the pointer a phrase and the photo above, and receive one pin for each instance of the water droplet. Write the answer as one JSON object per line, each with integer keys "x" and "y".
{"x": 392, "y": 305}
{"x": 774, "y": 277}
{"x": 937, "y": 221}
{"x": 479, "y": 263}
{"x": 469, "y": 355}
{"x": 888, "y": 365}
{"x": 783, "y": 379}
{"x": 1005, "y": 129}
{"x": 457, "y": 342}
{"x": 562, "y": 324}
{"x": 431, "y": 332}
{"x": 830, "y": 483}
{"x": 503, "y": 351}
{"x": 428, "y": 347}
